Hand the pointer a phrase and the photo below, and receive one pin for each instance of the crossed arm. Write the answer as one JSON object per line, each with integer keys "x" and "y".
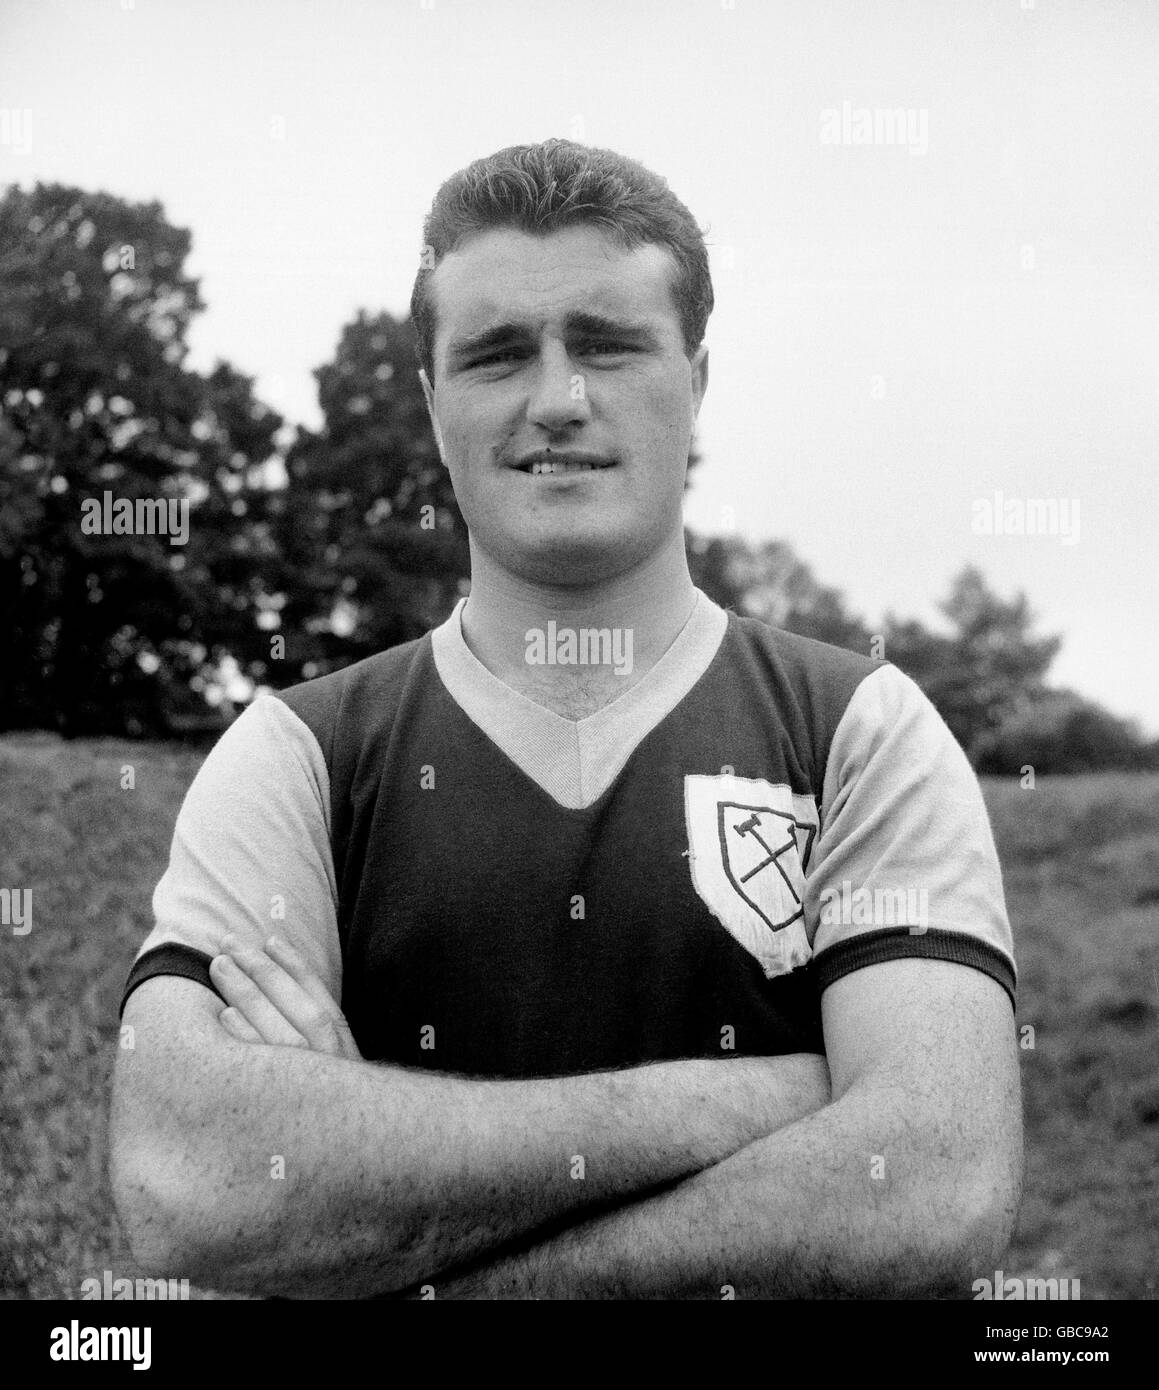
{"x": 900, "y": 1175}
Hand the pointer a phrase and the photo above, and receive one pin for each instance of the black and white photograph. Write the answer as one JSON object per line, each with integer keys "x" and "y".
{"x": 579, "y": 711}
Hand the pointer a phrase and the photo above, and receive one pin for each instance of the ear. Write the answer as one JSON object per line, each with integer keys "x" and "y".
{"x": 699, "y": 366}
{"x": 429, "y": 396}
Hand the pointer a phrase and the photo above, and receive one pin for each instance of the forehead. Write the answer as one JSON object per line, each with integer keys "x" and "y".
{"x": 506, "y": 274}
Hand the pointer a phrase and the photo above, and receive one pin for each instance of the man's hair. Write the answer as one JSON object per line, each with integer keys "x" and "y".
{"x": 541, "y": 188}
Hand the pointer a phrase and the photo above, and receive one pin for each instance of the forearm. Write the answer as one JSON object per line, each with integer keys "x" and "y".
{"x": 839, "y": 1204}
{"x": 391, "y": 1175}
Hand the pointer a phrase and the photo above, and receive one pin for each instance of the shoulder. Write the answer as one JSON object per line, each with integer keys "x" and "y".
{"x": 808, "y": 685}
{"x": 362, "y": 695}
{"x": 803, "y": 658}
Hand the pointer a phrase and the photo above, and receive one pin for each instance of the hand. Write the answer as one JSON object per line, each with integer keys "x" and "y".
{"x": 273, "y": 996}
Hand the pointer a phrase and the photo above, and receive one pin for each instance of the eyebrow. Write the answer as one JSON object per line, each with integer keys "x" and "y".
{"x": 579, "y": 324}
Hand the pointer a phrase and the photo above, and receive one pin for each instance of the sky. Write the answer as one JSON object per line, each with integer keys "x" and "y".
{"x": 933, "y": 231}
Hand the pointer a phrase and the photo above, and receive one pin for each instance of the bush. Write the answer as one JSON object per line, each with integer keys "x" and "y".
{"x": 1061, "y": 731}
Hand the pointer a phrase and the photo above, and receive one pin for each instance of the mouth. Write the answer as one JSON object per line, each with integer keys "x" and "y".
{"x": 547, "y": 463}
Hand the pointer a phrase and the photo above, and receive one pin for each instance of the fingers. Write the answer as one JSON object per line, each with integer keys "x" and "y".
{"x": 279, "y": 996}
{"x": 237, "y": 1027}
{"x": 243, "y": 994}
{"x": 333, "y": 1024}
{"x": 296, "y": 966}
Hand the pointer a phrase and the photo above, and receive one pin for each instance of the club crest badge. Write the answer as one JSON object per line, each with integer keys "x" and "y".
{"x": 749, "y": 844}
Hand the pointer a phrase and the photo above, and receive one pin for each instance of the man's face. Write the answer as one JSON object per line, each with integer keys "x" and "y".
{"x": 563, "y": 345}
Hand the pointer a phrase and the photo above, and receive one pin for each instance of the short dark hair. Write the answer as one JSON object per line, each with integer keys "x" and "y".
{"x": 558, "y": 183}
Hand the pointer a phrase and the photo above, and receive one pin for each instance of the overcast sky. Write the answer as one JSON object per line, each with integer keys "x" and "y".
{"x": 910, "y": 317}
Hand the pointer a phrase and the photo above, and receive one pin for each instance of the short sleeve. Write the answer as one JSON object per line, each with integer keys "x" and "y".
{"x": 905, "y": 863}
{"x": 250, "y": 855}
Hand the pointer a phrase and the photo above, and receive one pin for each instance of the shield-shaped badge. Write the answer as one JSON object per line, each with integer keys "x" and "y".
{"x": 749, "y": 844}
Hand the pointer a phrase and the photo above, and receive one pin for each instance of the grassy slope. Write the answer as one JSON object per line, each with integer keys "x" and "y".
{"x": 1081, "y": 859}
{"x": 1081, "y": 865}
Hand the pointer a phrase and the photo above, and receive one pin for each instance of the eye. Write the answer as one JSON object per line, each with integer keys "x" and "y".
{"x": 604, "y": 347}
{"x": 499, "y": 355}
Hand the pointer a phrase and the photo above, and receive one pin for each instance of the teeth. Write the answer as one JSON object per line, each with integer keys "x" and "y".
{"x": 537, "y": 468}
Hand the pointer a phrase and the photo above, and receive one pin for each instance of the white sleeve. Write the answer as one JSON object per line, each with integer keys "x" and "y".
{"x": 251, "y": 849}
{"x": 905, "y": 863}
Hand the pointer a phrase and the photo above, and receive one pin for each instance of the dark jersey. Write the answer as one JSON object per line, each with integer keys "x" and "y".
{"x": 493, "y": 890}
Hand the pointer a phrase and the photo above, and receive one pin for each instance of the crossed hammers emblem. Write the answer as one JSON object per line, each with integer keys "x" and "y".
{"x": 773, "y": 856}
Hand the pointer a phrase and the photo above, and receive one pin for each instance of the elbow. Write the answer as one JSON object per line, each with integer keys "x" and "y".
{"x": 973, "y": 1241}
{"x": 170, "y": 1224}
{"x": 941, "y": 1237}
{"x": 151, "y": 1218}
{"x": 989, "y": 1228}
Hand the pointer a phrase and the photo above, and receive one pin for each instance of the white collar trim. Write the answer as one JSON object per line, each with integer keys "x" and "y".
{"x": 576, "y": 761}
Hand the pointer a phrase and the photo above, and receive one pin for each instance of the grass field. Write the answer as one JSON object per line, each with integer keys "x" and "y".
{"x": 1081, "y": 861}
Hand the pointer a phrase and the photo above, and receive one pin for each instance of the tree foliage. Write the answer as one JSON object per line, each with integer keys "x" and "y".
{"x": 988, "y": 667}
{"x": 374, "y": 548}
{"x": 114, "y": 633}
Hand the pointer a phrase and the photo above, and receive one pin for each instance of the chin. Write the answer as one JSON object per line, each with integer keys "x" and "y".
{"x": 574, "y": 563}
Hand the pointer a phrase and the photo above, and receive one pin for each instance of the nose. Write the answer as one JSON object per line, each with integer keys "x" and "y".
{"x": 559, "y": 397}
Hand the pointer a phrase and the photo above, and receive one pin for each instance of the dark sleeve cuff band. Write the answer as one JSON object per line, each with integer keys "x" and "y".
{"x": 899, "y": 943}
{"x": 170, "y": 959}
{"x": 830, "y": 965}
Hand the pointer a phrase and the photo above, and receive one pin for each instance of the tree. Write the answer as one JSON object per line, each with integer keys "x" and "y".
{"x": 374, "y": 546}
{"x": 111, "y": 632}
{"x": 987, "y": 669}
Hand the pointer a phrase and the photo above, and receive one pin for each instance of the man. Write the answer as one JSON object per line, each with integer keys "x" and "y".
{"x": 573, "y": 990}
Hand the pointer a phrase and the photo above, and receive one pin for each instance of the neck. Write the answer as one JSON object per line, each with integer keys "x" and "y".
{"x": 651, "y": 602}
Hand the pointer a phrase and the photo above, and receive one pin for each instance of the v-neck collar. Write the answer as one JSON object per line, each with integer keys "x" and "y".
{"x": 576, "y": 761}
